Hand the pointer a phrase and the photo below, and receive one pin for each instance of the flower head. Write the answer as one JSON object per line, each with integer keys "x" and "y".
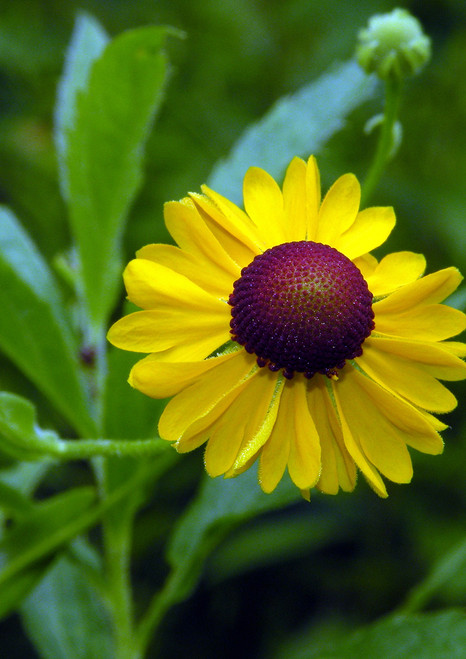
{"x": 282, "y": 339}
{"x": 393, "y": 45}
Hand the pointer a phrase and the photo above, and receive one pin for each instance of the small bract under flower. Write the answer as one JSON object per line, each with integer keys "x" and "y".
{"x": 281, "y": 339}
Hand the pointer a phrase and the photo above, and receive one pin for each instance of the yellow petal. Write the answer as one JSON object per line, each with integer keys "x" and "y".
{"x": 202, "y": 396}
{"x": 226, "y": 435}
{"x": 231, "y": 226}
{"x": 370, "y": 229}
{"x": 395, "y": 270}
{"x": 151, "y": 285}
{"x": 203, "y": 272}
{"x": 437, "y": 358}
{"x": 304, "y": 459}
{"x": 274, "y": 454}
{"x": 160, "y": 379}
{"x": 406, "y": 378}
{"x": 384, "y": 424}
{"x": 381, "y": 441}
{"x": 190, "y": 231}
{"x": 430, "y": 289}
{"x": 156, "y": 331}
{"x": 263, "y": 202}
{"x": 353, "y": 444}
{"x": 202, "y": 428}
{"x": 266, "y": 391}
{"x": 246, "y": 426}
{"x": 338, "y": 210}
{"x": 301, "y": 199}
{"x": 313, "y": 195}
{"x": 295, "y": 201}
{"x": 338, "y": 468}
{"x": 431, "y": 322}
{"x": 366, "y": 264}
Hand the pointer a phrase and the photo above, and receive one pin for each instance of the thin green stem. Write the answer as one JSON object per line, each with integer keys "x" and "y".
{"x": 117, "y": 542}
{"x": 70, "y": 449}
{"x": 393, "y": 89}
{"x": 117, "y": 526}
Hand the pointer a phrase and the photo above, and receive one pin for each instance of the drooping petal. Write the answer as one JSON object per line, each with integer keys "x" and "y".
{"x": 395, "y": 270}
{"x": 263, "y": 202}
{"x": 200, "y": 430}
{"x": 384, "y": 424}
{"x": 246, "y": 426}
{"x": 338, "y": 467}
{"x": 339, "y": 210}
{"x": 406, "y": 378}
{"x": 304, "y": 463}
{"x": 202, "y": 396}
{"x": 274, "y": 454}
{"x": 353, "y": 444}
{"x": 370, "y": 229}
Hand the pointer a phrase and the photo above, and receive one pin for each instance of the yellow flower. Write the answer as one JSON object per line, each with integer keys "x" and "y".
{"x": 262, "y": 328}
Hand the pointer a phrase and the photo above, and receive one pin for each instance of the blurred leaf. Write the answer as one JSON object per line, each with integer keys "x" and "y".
{"x": 20, "y": 437}
{"x": 27, "y": 539}
{"x": 34, "y": 331}
{"x": 24, "y": 476}
{"x": 65, "y": 617}
{"x": 220, "y": 505}
{"x": 15, "y": 590}
{"x": 271, "y": 541}
{"x": 87, "y": 44}
{"x": 37, "y": 535}
{"x": 430, "y": 636}
{"x": 450, "y": 567}
{"x": 13, "y": 502}
{"x": 297, "y": 125}
{"x": 103, "y": 154}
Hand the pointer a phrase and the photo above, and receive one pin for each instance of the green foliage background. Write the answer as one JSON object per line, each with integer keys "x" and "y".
{"x": 292, "y": 581}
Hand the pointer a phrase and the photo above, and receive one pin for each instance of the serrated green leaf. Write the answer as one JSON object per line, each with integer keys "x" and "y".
{"x": 20, "y": 437}
{"x": 34, "y": 331}
{"x": 297, "y": 125}
{"x": 103, "y": 158}
{"x": 87, "y": 44}
{"x": 63, "y": 631}
{"x": 429, "y": 635}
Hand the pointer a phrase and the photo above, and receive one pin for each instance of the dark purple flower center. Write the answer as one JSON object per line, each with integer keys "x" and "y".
{"x": 302, "y": 307}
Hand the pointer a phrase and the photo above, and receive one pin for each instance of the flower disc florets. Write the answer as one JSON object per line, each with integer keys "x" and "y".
{"x": 302, "y": 307}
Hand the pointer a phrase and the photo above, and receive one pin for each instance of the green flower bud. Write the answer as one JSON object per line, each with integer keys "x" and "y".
{"x": 393, "y": 45}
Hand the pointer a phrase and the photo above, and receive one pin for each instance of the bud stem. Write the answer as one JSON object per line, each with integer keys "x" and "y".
{"x": 393, "y": 87}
